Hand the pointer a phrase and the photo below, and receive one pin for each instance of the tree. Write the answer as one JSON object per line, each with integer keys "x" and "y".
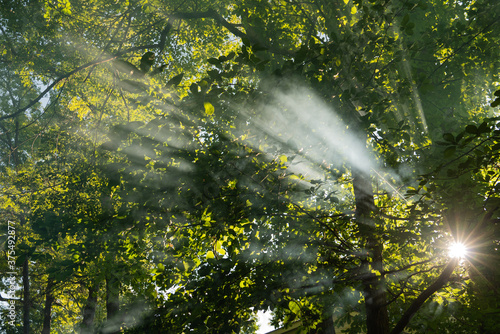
{"x": 297, "y": 156}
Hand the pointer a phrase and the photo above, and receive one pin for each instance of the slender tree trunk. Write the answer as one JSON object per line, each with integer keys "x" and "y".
{"x": 47, "y": 311}
{"x": 112, "y": 297}
{"x": 26, "y": 289}
{"x": 327, "y": 326}
{"x": 377, "y": 320}
{"x": 113, "y": 302}
{"x": 25, "y": 274}
{"x": 26, "y": 297}
{"x": 87, "y": 326}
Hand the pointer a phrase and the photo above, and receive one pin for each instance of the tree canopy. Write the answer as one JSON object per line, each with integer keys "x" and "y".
{"x": 179, "y": 166}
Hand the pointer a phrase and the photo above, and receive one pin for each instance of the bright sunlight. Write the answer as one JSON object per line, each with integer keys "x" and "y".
{"x": 457, "y": 249}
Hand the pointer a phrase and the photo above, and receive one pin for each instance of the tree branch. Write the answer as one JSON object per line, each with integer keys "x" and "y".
{"x": 389, "y": 272}
{"x": 160, "y": 45}
{"x": 417, "y": 303}
{"x": 212, "y": 14}
{"x": 8, "y": 42}
{"x": 76, "y": 70}
{"x": 404, "y": 284}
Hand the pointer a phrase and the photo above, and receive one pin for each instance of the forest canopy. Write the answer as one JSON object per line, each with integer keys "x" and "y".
{"x": 181, "y": 166}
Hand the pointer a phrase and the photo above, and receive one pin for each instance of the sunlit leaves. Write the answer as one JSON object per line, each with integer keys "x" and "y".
{"x": 209, "y": 108}
{"x": 219, "y": 249}
{"x": 210, "y": 255}
{"x": 218, "y": 215}
{"x": 62, "y": 7}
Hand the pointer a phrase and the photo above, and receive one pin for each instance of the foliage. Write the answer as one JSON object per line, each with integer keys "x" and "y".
{"x": 180, "y": 165}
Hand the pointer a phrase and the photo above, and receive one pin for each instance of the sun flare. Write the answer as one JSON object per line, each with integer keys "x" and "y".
{"x": 457, "y": 249}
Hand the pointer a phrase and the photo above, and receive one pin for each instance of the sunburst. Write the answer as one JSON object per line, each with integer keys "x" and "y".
{"x": 458, "y": 250}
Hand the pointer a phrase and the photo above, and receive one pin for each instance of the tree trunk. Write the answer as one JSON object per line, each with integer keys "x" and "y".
{"x": 25, "y": 275}
{"x": 377, "y": 320}
{"x": 26, "y": 288}
{"x": 26, "y": 297}
{"x": 47, "y": 311}
{"x": 113, "y": 303}
{"x": 327, "y": 326}
{"x": 87, "y": 326}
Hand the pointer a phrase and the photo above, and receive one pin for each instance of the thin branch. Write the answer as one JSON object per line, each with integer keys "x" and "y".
{"x": 212, "y": 14}
{"x": 392, "y": 217}
{"x": 454, "y": 53}
{"x": 417, "y": 303}
{"x": 466, "y": 153}
{"x": 408, "y": 266}
{"x": 76, "y": 70}
{"x": 332, "y": 230}
{"x": 8, "y": 42}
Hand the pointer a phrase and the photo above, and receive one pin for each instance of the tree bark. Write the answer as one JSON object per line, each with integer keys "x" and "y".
{"x": 47, "y": 310}
{"x": 327, "y": 326}
{"x": 87, "y": 326}
{"x": 377, "y": 320}
{"x": 26, "y": 289}
{"x": 25, "y": 274}
{"x": 26, "y": 297}
{"x": 16, "y": 145}
{"x": 113, "y": 302}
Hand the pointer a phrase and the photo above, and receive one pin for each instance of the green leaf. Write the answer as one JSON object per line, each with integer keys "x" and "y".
{"x": 219, "y": 249}
{"x": 214, "y": 74}
{"x": 194, "y": 88}
{"x": 209, "y": 108}
{"x": 405, "y": 20}
{"x": 471, "y": 128}
{"x": 294, "y": 307}
{"x": 213, "y": 61}
{"x": 449, "y": 151}
{"x": 175, "y": 80}
{"x": 422, "y": 5}
{"x": 210, "y": 255}
{"x": 449, "y": 137}
{"x": 483, "y": 128}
